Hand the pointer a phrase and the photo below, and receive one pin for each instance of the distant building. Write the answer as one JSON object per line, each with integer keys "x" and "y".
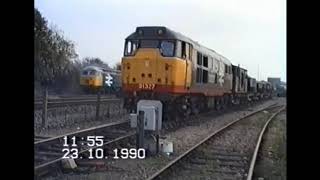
{"x": 276, "y": 82}
{"x": 283, "y": 83}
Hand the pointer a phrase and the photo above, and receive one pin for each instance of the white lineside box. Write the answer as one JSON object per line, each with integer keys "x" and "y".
{"x": 152, "y": 112}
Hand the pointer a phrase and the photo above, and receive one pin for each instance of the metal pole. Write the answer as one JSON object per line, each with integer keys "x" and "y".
{"x": 108, "y": 110}
{"x": 157, "y": 131}
{"x": 98, "y": 105}
{"x": 85, "y": 113}
{"x": 45, "y": 107}
{"x": 258, "y": 73}
{"x": 140, "y": 130}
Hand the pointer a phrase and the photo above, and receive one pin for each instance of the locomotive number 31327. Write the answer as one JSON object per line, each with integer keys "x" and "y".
{"x": 147, "y": 86}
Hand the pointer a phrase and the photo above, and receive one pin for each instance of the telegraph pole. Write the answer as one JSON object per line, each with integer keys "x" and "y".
{"x": 258, "y": 73}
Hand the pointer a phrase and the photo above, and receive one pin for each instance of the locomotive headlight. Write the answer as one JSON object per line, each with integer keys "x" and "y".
{"x": 160, "y": 31}
{"x": 140, "y": 32}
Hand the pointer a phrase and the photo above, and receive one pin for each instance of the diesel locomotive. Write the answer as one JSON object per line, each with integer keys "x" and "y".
{"x": 92, "y": 80}
{"x": 161, "y": 64}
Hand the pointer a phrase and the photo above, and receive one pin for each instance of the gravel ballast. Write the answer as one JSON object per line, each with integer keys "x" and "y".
{"x": 182, "y": 138}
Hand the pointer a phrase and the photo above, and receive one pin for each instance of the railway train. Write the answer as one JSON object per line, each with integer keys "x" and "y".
{"x": 161, "y": 64}
{"x": 281, "y": 91}
{"x": 92, "y": 80}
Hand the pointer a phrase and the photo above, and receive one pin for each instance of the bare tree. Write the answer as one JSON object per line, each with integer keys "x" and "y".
{"x": 117, "y": 66}
{"x": 52, "y": 52}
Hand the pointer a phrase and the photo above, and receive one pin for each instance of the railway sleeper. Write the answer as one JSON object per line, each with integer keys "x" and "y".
{"x": 222, "y": 152}
{"x": 49, "y": 148}
{"x": 38, "y": 158}
{"x": 206, "y": 174}
{"x": 223, "y": 157}
{"x": 55, "y": 154}
{"x": 228, "y": 171}
{"x": 231, "y": 164}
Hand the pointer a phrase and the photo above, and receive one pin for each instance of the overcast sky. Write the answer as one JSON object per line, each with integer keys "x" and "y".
{"x": 251, "y": 33}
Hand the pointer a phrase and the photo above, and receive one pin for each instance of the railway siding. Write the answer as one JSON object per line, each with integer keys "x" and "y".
{"x": 225, "y": 154}
{"x": 271, "y": 160}
{"x": 183, "y": 140}
{"x": 77, "y": 113}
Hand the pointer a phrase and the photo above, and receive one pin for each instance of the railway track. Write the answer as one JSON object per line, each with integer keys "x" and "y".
{"x": 194, "y": 119}
{"x": 39, "y": 138}
{"x": 71, "y": 98}
{"x": 65, "y": 102}
{"x": 48, "y": 151}
{"x": 228, "y": 153}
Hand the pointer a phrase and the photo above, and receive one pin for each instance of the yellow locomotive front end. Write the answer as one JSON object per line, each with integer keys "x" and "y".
{"x": 152, "y": 63}
{"x": 156, "y": 65}
{"x": 91, "y": 78}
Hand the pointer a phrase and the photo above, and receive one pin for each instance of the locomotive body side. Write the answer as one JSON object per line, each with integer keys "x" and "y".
{"x": 252, "y": 89}
{"x": 161, "y": 64}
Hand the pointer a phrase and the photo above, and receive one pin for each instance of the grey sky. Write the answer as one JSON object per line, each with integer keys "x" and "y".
{"x": 251, "y": 33}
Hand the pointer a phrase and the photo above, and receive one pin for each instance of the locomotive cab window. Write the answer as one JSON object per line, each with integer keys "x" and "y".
{"x": 188, "y": 51}
{"x": 199, "y": 75}
{"x": 199, "y": 58}
{"x": 178, "y": 49}
{"x": 130, "y": 47}
{"x": 93, "y": 72}
{"x": 167, "y": 48}
{"x": 216, "y": 78}
{"x": 183, "y": 50}
{"x": 242, "y": 79}
{"x": 202, "y": 68}
{"x": 205, "y": 61}
{"x": 204, "y": 76}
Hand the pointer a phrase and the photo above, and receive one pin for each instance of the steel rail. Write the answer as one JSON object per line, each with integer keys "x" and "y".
{"x": 170, "y": 164}
{"x": 88, "y": 130}
{"x": 78, "y": 102}
{"x": 254, "y": 157}
{"x": 41, "y": 166}
{"x": 39, "y": 100}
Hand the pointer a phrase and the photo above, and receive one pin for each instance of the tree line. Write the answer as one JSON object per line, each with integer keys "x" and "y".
{"x": 56, "y": 63}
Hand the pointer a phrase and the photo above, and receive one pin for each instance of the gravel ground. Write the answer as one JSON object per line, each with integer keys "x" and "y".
{"x": 182, "y": 139}
{"x": 78, "y": 126}
{"x": 67, "y": 119}
{"x": 226, "y": 156}
{"x": 272, "y": 158}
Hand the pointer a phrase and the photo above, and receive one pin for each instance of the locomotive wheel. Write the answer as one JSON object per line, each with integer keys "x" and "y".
{"x": 224, "y": 102}
{"x": 218, "y": 104}
{"x": 194, "y": 107}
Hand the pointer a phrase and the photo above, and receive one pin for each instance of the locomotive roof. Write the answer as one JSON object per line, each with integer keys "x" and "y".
{"x": 263, "y": 82}
{"x": 97, "y": 68}
{"x": 241, "y": 69}
{"x": 249, "y": 77}
{"x": 150, "y": 32}
{"x": 92, "y": 68}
